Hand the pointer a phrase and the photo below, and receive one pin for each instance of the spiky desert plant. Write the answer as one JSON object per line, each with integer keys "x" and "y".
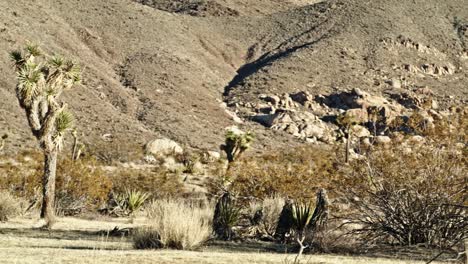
{"x": 131, "y": 201}
{"x": 41, "y": 81}
{"x": 236, "y": 143}
{"x": 308, "y": 218}
{"x": 225, "y": 217}
{"x": 135, "y": 200}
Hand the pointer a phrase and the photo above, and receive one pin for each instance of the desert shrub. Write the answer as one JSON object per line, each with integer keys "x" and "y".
{"x": 269, "y": 209}
{"x": 80, "y": 184}
{"x": 190, "y": 160}
{"x": 174, "y": 224}
{"x": 409, "y": 198}
{"x": 111, "y": 154}
{"x": 10, "y": 206}
{"x": 157, "y": 182}
{"x": 294, "y": 174}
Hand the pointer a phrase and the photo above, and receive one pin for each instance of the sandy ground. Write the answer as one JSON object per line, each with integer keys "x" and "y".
{"x": 79, "y": 241}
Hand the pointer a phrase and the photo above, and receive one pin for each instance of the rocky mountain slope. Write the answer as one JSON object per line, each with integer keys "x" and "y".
{"x": 187, "y": 69}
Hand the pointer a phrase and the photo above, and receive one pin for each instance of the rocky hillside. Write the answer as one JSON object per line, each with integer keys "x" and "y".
{"x": 187, "y": 69}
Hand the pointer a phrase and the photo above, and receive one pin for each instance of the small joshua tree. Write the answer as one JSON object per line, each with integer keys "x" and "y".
{"x": 236, "y": 143}
{"x": 347, "y": 122}
{"x": 41, "y": 81}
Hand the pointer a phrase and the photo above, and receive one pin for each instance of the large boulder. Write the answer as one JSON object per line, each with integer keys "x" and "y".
{"x": 163, "y": 147}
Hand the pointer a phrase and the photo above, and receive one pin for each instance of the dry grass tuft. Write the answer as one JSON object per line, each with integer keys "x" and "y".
{"x": 175, "y": 224}
{"x": 270, "y": 208}
{"x": 10, "y": 206}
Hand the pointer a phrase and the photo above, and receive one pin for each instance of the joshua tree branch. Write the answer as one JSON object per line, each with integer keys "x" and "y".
{"x": 49, "y": 121}
{"x": 33, "y": 117}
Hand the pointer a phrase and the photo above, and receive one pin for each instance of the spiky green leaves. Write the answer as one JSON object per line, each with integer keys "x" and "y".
{"x": 131, "y": 201}
{"x": 242, "y": 140}
{"x": 33, "y": 50}
{"x": 57, "y": 62}
{"x": 225, "y": 217}
{"x": 30, "y": 82}
{"x": 63, "y": 123}
{"x": 17, "y": 57}
{"x": 302, "y": 214}
{"x": 70, "y": 70}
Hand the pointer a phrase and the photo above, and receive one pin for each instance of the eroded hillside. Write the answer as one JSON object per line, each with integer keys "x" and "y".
{"x": 181, "y": 69}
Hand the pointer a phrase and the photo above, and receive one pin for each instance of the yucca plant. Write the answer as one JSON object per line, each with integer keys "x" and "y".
{"x": 131, "y": 201}
{"x": 226, "y": 216}
{"x": 301, "y": 215}
{"x": 40, "y": 83}
{"x": 308, "y": 218}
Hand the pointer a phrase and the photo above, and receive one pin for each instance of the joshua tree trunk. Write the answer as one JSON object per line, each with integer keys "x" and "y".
{"x": 48, "y": 185}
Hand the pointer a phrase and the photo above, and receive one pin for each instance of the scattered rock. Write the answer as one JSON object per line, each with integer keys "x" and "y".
{"x": 163, "y": 147}
{"x": 302, "y": 97}
{"x": 395, "y": 83}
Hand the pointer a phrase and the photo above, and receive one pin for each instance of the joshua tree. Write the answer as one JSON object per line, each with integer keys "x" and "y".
{"x": 347, "y": 122}
{"x": 41, "y": 81}
{"x": 236, "y": 143}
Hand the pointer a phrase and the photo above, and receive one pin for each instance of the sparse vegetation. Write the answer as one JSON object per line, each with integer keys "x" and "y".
{"x": 295, "y": 173}
{"x": 157, "y": 182}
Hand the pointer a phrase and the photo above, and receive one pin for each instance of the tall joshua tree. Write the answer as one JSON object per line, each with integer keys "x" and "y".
{"x": 41, "y": 81}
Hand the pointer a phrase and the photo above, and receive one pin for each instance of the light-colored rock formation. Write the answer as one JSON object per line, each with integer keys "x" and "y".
{"x": 163, "y": 147}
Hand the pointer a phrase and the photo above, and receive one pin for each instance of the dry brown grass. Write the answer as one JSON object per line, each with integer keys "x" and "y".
{"x": 10, "y": 206}
{"x": 175, "y": 224}
{"x": 271, "y": 209}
